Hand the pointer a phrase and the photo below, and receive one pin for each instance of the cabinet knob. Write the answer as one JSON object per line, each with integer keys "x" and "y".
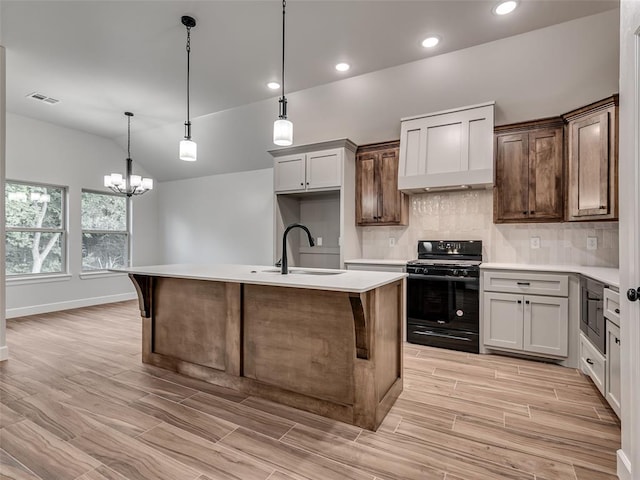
{"x": 524, "y": 213}
{"x": 617, "y": 310}
{"x": 589, "y": 361}
{"x": 307, "y": 183}
{"x": 301, "y": 183}
{"x": 519, "y": 301}
{"x": 603, "y": 207}
{"x": 532, "y": 212}
{"x": 617, "y": 340}
{"x": 527, "y": 302}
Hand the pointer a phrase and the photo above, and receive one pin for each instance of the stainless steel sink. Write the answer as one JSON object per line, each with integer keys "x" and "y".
{"x": 294, "y": 271}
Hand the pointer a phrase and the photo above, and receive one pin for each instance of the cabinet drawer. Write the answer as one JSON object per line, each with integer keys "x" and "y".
{"x": 526, "y": 283}
{"x": 592, "y": 363}
{"x": 612, "y": 306}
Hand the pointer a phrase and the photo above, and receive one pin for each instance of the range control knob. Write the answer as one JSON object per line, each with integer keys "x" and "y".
{"x": 455, "y": 273}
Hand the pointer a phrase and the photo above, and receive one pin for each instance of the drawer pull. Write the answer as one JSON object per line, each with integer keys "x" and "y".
{"x": 617, "y": 310}
{"x": 589, "y": 361}
{"x": 617, "y": 340}
{"x": 524, "y": 284}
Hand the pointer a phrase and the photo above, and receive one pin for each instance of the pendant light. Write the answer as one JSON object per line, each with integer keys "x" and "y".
{"x": 188, "y": 148}
{"x": 130, "y": 184}
{"x": 283, "y": 128}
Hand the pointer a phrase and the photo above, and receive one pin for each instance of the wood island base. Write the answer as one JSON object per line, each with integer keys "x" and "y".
{"x": 334, "y": 353}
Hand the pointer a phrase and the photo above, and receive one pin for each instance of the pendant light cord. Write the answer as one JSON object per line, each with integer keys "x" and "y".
{"x": 284, "y": 4}
{"x": 188, "y": 80}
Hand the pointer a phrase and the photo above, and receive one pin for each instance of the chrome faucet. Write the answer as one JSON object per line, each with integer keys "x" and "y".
{"x": 285, "y": 266}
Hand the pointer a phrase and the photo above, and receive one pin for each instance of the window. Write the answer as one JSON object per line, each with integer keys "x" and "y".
{"x": 35, "y": 229}
{"x": 105, "y": 232}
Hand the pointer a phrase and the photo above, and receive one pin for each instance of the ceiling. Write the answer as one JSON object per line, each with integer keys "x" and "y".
{"x": 100, "y": 58}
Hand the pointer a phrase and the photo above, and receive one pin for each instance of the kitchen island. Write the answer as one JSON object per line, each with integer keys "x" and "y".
{"x": 325, "y": 341}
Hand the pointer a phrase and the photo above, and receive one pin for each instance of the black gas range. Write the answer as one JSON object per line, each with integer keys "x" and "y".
{"x": 443, "y": 294}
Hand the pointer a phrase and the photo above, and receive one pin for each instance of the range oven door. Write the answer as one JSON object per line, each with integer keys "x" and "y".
{"x": 443, "y": 311}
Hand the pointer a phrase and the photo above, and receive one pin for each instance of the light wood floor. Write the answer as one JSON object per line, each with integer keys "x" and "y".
{"x": 77, "y": 403}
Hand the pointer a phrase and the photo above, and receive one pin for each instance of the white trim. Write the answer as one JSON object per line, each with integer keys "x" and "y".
{"x": 451, "y": 110}
{"x": 55, "y": 307}
{"x": 4, "y": 353}
{"x": 27, "y": 280}
{"x": 624, "y": 466}
{"x": 100, "y": 274}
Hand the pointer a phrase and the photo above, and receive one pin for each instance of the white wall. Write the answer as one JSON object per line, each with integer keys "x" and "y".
{"x": 541, "y": 73}
{"x": 218, "y": 219}
{"x": 45, "y": 153}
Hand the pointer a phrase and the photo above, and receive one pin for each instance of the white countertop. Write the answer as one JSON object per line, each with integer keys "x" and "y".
{"x": 372, "y": 261}
{"x": 610, "y": 276}
{"x": 345, "y": 281}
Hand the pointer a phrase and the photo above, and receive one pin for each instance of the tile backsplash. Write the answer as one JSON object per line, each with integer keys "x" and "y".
{"x": 469, "y": 216}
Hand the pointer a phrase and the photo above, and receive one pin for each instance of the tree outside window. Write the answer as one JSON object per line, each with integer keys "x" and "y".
{"x": 105, "y": 233}
{"x": 35, "y": 229}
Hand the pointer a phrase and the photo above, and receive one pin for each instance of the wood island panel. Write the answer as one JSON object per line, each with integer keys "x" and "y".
{"x": 336, "y": 354}
{"x": 276, "y": 353}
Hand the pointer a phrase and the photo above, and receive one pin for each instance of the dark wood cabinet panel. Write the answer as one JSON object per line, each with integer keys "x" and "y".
{"x": 378, "y": 200}
{"x": 545, "y": 174}
{"x": 592, "y": 161}
{"x": 529, "y": 172}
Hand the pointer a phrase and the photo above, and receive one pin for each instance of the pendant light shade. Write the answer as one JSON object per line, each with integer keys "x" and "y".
{"x": 283, "y": 132}
{"x": 188, "y": 148}
{"x": 283, "y": 128}
{"x": 129, "y": 184}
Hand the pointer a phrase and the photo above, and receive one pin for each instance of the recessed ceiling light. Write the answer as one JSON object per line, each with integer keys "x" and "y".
{"x": 273, "y": 85}
{"x": 343, "y": 67}
{"x": 505, "y": 7}
{"x": 431, "y": 41}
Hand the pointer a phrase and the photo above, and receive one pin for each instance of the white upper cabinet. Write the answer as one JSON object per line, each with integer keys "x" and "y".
{"x": 447, "y": 150}
{"x": 300, "y": 172}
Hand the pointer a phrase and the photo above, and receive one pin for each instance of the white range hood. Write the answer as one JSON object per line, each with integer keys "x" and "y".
{"x": 448, "y": 150}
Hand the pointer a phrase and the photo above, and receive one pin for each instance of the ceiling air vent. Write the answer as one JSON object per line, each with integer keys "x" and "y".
{"x": 43, "y": 98}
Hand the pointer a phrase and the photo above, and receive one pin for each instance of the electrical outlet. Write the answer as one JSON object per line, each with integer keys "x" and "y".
{"x": 392, "y": 241}
{"x": 592, "y": 243}
{"x": 534, "y": 242}
{"x": 319, "y": 241}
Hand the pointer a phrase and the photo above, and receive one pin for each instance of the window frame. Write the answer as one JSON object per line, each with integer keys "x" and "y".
{"x": 63, "y": 231}
{"x": 94, "y": 271}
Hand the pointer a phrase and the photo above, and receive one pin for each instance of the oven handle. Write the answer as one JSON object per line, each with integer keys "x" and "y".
{"x": 433, "y": 334}
{"x": 415, "y": 276}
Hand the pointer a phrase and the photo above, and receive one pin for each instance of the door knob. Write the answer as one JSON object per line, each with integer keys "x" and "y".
{"x": 633, "y": 294}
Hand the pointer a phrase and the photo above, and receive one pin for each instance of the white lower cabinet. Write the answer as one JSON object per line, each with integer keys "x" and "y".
{"x": 592, "y": 363}
{"x": 530, "y": 323}
{"x": 612, "y": 382}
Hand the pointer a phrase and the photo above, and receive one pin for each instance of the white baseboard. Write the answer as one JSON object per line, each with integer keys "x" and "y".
{"x": 56, "y": 307}
{"x": 624, "y": 466}
{"x": 4, "y": 353}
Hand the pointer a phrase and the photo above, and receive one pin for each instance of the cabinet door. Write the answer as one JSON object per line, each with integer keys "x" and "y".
{"x": 289, "y": 173}
{"x": 545, "y": 174}
{"x": 589, "y": 166}
{"x": 511, "y": 195}
{"x": 612, "y": 389}
{"x": 503, "y": 320}
{"x": 546, "y": 325}
{"x": 324, "y": 169}
{"x": 366, "y": 189}
{"x": 390, "y": 200}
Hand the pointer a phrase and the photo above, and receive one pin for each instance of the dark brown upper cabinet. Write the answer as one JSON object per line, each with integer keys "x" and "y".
{"x": 529, "y": 172}
{"x": 592, "y": 153}
{"x": 378, "y": 200}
